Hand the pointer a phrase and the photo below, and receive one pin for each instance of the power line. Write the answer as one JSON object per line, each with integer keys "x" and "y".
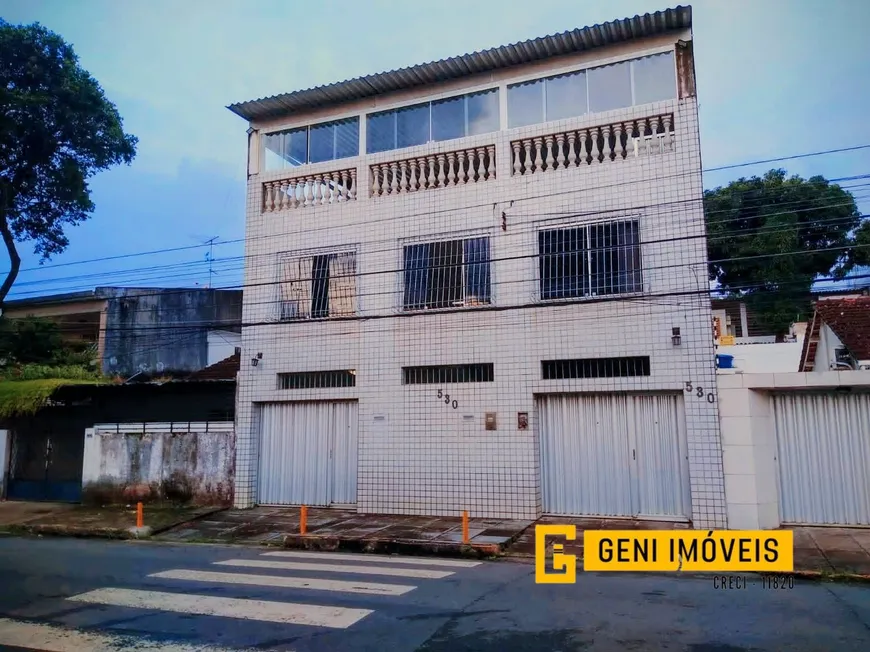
{"x": 673, "y": 176}
{"x": 554, "y": 217}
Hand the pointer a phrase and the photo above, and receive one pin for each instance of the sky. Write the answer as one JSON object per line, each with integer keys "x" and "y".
{"x": 775, "y": 78}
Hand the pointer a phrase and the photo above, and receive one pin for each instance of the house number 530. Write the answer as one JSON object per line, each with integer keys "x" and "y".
{"x": 447, "y": 401}
{"x": 699, "y": 392}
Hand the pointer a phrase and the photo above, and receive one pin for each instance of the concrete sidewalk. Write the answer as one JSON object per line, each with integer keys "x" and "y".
{"x": 110, "y": 522}
{"x": 818, "y": 551}
{"x": 333, "y": 529}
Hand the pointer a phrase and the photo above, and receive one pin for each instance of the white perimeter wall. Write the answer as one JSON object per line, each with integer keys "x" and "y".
{"x": 749, "y": 444}
{"x": 145, "y": 459}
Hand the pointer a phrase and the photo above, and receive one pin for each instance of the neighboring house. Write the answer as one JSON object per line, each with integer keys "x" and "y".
{"x": 149, "y": 330}
{"x": 739, "y": 322}
{"x": 448, "y": 265}
{"x": 838, "y": 335}
{"x": 46, "y": 442}
{"x": 753, "y": 347}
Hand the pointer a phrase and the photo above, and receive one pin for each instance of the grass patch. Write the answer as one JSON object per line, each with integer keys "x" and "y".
{"x": 23, "y": 397}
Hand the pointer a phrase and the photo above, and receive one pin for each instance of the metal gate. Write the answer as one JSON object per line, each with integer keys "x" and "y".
{"x": 823, "y": 445}
{"x": 614, "y": 455}
{"x": 308, "y": 453}
{"x": 46, "y": 465}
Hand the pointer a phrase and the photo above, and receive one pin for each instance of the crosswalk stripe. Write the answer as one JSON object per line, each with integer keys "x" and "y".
{"x": 337, "y": 568}
{"x": 51, "y": 638}
{"x": 286, "y": 582}
{"x": 205, "y": 605}
{"x": 458, "y": 563}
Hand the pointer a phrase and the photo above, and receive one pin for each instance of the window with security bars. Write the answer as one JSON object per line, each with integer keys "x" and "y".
{"x": 317, "y": 379}
{"x": 591, "y": 260}
{"x": 443, "y": 374}
{"x": 446, "y": 274}
{"x": 595, "y": 368}
{"x": 316, "y": 287}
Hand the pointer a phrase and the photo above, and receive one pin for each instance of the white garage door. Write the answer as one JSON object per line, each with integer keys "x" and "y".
{"x": 308, "y": 453}
{"x": 823, "y": 448}
{"x": 614, "y": 455}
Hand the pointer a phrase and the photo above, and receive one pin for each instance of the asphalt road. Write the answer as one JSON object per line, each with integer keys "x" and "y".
{"x": 78, "y": 596}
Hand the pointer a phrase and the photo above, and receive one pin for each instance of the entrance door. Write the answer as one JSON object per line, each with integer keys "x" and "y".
{"x": 614, "y": 455}
{"x": 308, "y": 453}
{"x": 46, "y": 465}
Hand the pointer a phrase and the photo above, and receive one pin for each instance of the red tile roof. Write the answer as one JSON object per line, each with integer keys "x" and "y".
{"x": 850, "y": 321}
{"x": 226, "y": 369}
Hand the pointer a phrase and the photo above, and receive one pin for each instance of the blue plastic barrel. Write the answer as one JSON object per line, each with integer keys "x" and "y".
{"x": 724, "y": 361}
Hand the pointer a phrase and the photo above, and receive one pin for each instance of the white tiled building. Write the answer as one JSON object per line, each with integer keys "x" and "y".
{"x": 480, "y": 284}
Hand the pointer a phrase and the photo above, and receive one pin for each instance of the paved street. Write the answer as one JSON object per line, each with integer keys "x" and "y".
{"x": 77, "y": 595}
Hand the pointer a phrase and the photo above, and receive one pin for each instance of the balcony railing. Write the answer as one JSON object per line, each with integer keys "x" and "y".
{"x": 309, "y": 190}
{"x": 578, "y": 147}
{"x": 465, "y": 166}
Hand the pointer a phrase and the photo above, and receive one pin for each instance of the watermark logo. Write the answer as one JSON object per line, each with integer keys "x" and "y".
{"x": 696, "y": 551}
{"x": 564, "y": 568}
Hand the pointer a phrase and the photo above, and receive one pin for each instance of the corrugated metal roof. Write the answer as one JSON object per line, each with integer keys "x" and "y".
{"x": 577, "y": 40}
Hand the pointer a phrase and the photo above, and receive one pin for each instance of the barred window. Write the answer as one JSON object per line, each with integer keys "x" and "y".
{"x": 447, "y": 274}
{"x": 449, "y": 373}
{"x": 317, "y": 379}
{"x": 595, "y": 368}
{"x": 315, "y": 287}
{"x": 592, "y": 260}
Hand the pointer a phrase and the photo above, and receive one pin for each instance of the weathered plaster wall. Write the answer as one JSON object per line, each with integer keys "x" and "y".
{"x": 158, "y": 331}
{"x": 178, "y": 462}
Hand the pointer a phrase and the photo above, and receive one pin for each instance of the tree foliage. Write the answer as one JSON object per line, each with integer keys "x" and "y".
{"x": 861, "y": 252}
{"x": 57, "y": 131}
{"x": 771, "y": 237}
{"x": 29, "y": 340}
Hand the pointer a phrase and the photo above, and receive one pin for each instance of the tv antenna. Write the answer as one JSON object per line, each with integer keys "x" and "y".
{"x": 210, "y": 258}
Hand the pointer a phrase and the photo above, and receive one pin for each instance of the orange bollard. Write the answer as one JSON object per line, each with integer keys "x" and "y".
{"x": 140, "y": 520}
{"x": 303, "y": 519}
{"x": 465, "y": 526}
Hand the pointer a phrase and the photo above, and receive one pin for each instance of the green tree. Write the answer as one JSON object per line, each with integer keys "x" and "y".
{"x": 57, "y": 130}
{"x": 29, "y": 340}
{"x": 861, "y": 252}
{"x": 770, "y": 237}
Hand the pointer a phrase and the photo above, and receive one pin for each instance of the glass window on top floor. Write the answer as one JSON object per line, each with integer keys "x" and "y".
{"x": 604, "y": 88}
{"x": 454, "y": 117}
{"x": 327, "y": 141}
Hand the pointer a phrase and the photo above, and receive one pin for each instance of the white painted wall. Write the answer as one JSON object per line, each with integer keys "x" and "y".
{"x": 749, "y": 447}
{"x": 826, "y": 352}
{"x": 136, "y": 459}
{"x": 781, "y": 357}
{"x": 5, "y": 445}
{"x": 416, "y": 456}
{"x": 222, "y": 344}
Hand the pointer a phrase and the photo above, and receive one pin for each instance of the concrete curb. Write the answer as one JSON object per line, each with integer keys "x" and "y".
{"x": 100, "y": 532}
{"x": 393, "y": 546}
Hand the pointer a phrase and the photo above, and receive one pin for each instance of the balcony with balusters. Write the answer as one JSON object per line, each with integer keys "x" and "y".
{"x": 608, "y": 143}
{"x": 457, "y": 168}
{"x": 310, "y": 190}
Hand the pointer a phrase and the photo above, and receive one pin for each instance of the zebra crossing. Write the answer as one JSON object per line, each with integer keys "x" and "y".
{"x": 323, "y": 574}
